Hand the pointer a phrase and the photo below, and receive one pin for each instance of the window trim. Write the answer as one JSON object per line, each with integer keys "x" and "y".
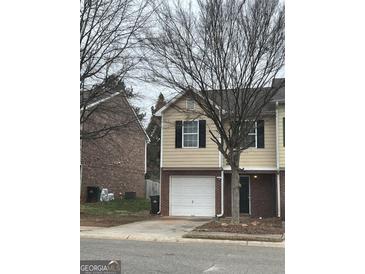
{"x": 255, "y": 136}
{"x": 197, "y": 134}
{"x": 191, "y": 100}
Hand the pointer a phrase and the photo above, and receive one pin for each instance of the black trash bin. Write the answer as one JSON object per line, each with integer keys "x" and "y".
{"x": 155, "y": 204}
{"x": 93, "y": 194}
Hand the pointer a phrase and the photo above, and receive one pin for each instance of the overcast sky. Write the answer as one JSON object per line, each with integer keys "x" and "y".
{"x": 148, "y": 94}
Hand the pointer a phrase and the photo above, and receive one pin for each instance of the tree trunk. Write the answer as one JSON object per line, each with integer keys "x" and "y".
{"x": 235, "y": 195}
{"x": 235, "y": 188}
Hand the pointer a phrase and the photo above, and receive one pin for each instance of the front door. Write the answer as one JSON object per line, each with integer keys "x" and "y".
{"x": 244, "y": 194}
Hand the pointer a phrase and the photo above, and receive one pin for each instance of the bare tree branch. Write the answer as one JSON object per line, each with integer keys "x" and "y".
{"x": 225, "y": 54}
{"x": 109, "y": 35}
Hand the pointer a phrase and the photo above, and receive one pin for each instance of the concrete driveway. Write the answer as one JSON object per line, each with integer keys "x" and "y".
{"x": 161, "y": 229}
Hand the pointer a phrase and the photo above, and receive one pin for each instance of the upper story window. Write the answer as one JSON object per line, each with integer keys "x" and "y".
{"x": 190, "y": 134}
{"x": 190, "y": 104}
{"x": 252, "y": 137}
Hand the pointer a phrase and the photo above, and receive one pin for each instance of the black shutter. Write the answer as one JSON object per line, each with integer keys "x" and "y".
{"x": 260, "y": 134}
{"x": 202, "y": 124}
{"x": 178, "y": 134}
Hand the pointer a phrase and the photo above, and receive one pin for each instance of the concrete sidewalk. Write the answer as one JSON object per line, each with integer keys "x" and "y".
{"x": 164, "y": 229}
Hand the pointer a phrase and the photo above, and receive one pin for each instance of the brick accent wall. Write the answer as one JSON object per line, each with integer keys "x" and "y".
{"x": 227, "y": 195}
{"x": 116, "y": 161}
{"x": 263, "y": 195}
{"x": 282, "y": 194}
{"x": 165, "y": 185}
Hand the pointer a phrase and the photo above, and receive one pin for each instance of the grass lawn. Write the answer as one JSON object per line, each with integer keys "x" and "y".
{"x": 115, "y": 212}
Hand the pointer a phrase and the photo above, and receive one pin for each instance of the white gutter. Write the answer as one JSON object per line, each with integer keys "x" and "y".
{"x": 161, "y": 157}
{"x": 254, "y": 168}
{"x": 101, "y": 100}
{"x": 277, "y": 161}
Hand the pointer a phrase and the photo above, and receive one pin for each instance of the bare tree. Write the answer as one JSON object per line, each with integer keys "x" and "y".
{"x": 224, "y": 53}
{"x": 112, "y": 89}
{"x": 109, "y": 31}
{"x": 154, "y": 147}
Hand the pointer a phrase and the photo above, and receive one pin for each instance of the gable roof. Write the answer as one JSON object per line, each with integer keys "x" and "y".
{"x": 105, "y": 99}
{"x": 169, "y": 103}
{"x": 278, "y": 97}
{"x": 95, "y": 103}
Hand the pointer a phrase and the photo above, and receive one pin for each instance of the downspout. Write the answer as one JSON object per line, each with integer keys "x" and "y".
{"x": 277, "y": 162}
{"x": 222, "y": 192}
{"x": 220, "y": 161}
{"x": 161, "y": 142}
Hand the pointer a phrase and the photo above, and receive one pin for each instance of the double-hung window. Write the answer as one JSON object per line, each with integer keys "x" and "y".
{"x": 190, "y": 134}
{"x": 252, "y": 137}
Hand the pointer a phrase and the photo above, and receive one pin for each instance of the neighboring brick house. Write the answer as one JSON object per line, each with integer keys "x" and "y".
{"x": 116, "y": 161}
{"x": 194, "y": 173}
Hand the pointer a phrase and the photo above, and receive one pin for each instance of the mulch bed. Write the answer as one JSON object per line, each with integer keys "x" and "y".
{"x": 247, "y": 225}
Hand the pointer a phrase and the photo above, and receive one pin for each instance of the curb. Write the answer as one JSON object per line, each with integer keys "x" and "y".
{"x": 183, "y": 240}
{"x": 234, "y": 236}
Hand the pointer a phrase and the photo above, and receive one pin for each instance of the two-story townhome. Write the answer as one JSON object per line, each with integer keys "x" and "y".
{"x": 195, "y": 178}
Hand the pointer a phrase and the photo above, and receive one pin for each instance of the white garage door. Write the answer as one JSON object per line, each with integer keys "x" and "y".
{"x": 192, "y": 196}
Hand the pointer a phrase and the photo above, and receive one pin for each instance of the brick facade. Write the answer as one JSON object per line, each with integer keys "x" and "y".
{"x": 263, "y": 195}
{"x": 227, "y": 195}
{"x": 116, "y": 161}
{"x": 262, "y": 189}
{"x": 282, "y": 194}
{"x": 165, "y": 185}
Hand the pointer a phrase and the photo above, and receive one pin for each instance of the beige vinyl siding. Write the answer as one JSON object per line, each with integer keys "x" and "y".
{"x": 281, "y": 115}
{"x": 262, "y": 158}
{"x": 186, "y": 157}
